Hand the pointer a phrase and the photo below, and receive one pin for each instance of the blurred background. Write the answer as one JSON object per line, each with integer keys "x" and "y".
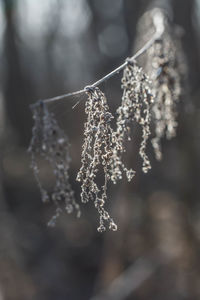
{"x": 53, "y": 47}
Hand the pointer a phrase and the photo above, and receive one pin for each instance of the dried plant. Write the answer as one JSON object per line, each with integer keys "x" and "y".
{"x": 163, "y": 67}
{"x": 135, "y": 108}
{"x": 51, "y": 143}
{"x": 97, "y": 154}
{"x": 103, "y": 147}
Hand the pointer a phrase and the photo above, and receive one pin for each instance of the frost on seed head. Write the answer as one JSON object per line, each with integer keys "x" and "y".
{"x": 97, "y": 154}
{"x": 51, "y": 143}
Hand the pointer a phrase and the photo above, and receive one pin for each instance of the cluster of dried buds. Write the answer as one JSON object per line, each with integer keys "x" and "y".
{"x": 51, "y": 143}
{"x": 97, "y": 154}
{"x": 103, "y": 147}
{"x": 163, "y": 67}
{"x": 135, "y": 108}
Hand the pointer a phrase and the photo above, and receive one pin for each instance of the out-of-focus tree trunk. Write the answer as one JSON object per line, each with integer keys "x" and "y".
{"x": 17, "y": 88}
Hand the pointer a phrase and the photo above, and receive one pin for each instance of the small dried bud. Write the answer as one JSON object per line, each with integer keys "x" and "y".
{"x": 130, "y": 174}
{"x": 101, "y": 228}
{"x": 113, "y": 226}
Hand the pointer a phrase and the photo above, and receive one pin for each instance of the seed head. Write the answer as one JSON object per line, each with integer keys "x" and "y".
{"x": 97, "y": 154}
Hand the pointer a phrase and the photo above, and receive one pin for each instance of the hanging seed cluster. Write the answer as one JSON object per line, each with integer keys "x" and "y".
{"x": 97, "y": 154}
{"x": 135, "y": 108}
{"x": 164, "y": 70}
{"x": 51, "y": 143}
{"x": 103, "y": 147}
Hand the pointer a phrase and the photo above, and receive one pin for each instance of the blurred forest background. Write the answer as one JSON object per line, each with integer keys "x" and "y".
{"x": 52, "y": 47}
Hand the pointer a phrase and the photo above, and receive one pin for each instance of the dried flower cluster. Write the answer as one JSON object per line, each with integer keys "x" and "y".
{"x": 135, "y": 108}
{"x": 51, "y": 143}
{"x": 103, "y": 147}
{"x": 97, "y": 154}
{"x": 164, "y": 70}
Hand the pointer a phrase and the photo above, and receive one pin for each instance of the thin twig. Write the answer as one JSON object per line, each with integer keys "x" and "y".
{"x": 158, "y": 20}
{"x": 63, "y": 96}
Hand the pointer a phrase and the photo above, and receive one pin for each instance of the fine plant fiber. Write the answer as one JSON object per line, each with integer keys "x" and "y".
{"x": 62, "y": 108}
